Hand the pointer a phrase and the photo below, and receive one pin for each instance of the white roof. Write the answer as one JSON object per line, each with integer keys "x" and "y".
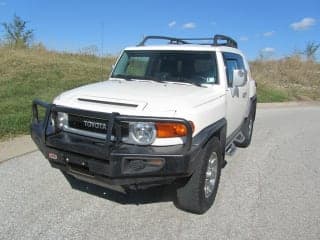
{"x": 185, "y": 47}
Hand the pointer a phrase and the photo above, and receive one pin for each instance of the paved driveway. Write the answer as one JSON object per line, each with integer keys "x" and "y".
{"x": 269, "y": 191}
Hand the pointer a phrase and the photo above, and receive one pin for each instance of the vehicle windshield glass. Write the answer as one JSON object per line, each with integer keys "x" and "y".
{"x": 176, "y": 66}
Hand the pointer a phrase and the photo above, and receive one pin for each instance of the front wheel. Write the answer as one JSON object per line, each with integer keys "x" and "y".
{"x": 198, "y": 193}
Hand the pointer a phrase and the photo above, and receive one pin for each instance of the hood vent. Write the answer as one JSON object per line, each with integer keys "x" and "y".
{"x": 108, "y": 102}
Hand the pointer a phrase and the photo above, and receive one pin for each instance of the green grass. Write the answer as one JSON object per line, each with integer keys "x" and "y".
{"x": 26, "y": 74}
{"x": 269, "y": 94}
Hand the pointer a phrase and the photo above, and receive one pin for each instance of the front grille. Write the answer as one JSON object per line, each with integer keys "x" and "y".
{"x": 95, "y": 125}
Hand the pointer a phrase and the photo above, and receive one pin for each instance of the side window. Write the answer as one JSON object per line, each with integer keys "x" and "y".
{"x": 231, "y": 64}
{"x": 232, "y": 61}
{"x": 240, "y": 62}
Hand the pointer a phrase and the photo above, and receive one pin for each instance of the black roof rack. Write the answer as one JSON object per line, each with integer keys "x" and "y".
{"x": 217, "y": 40}
{"x": 230, "y": 42}
{"x": 172, "y": 40}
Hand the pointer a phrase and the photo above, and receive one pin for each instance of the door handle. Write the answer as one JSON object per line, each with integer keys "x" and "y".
{"x": 244, "y": 94}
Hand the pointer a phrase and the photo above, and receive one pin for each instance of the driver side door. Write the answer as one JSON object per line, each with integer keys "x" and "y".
{"x": 237, "y": 96}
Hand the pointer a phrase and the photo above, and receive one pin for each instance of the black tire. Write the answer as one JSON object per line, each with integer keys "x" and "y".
{"x": 191, "y": 196}
{"x": 247, "y": 129}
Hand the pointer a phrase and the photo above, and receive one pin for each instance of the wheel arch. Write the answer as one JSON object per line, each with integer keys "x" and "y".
{"x": 253, "y": 106}
{"x": 217, "y": 129}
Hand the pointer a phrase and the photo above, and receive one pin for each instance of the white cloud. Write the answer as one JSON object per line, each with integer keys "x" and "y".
{"x": 172, "y": 24}
{"x": 304, "y": 24}
{"x": 244, "y": 38}
{"x": 268, "y": 50}
{"x": 189, "y": 25}
{"x": 269, "y": 34}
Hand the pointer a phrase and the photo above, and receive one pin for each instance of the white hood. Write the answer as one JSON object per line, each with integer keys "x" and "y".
{"x": 137, "y": 97}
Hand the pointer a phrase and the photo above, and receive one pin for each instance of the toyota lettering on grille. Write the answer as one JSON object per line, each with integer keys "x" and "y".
{"x": 96, "y": 125}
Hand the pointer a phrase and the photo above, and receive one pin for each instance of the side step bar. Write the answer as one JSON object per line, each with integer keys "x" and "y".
{"x": 239, "y": 138}
{"x": 231, "y": 148}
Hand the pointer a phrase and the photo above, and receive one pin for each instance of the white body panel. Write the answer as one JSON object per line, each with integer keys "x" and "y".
{"x": 201, "y": 105}
{"x": 237, "y": 99}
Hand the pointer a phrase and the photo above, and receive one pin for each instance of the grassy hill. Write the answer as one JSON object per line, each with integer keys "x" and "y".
{"x": 26, "y": 74}
{"x": 287, "y": 79}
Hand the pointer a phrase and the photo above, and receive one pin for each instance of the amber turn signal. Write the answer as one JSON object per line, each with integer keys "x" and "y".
{"x": 168, "y": 129}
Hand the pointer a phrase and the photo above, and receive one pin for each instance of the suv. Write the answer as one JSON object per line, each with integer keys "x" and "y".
{"x": 167, "y": 115}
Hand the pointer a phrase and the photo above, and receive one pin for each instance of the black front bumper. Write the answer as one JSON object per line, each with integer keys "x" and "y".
{"x": 106, "y": 162}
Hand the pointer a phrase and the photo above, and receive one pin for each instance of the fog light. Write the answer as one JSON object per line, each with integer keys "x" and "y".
{"x": 155, "y": 162}
{"x": 143, "y": 165}
{"x": 136, "y": 164}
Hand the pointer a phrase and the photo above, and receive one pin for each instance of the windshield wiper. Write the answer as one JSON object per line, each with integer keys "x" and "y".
{"x": 185, "y": 83}
{"x": 187, "y": 80}
{"x": 123, "y": 76}
{"x": 131, "y": 78}
{"x": 197, "y": 84}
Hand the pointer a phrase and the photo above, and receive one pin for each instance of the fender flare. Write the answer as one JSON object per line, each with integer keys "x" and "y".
{"x": 253, "y": 106}
{"x": 219, "y": 129}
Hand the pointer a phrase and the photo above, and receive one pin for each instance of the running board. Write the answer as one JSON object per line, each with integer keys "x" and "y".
{"x": 231, "y": 148}
{"x": 239, "y": 138}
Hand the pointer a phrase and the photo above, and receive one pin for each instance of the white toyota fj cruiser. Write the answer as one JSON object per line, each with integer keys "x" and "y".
{"x": 167, "y": 114}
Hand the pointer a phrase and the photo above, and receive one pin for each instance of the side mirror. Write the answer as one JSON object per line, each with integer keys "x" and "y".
{"x": 113, "y": 66}
{"x": 239, "y": 77}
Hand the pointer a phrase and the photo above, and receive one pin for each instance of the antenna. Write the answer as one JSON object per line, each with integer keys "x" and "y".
{"x": 101, "y": 54}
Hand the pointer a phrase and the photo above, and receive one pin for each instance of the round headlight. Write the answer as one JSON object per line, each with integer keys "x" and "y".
{"x": 143, "y": 133}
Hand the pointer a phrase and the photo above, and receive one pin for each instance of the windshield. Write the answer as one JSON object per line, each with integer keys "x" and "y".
{"x": 175, "y": 66}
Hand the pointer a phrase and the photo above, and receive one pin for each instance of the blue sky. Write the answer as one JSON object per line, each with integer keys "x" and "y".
{"x": 273, "y": 26}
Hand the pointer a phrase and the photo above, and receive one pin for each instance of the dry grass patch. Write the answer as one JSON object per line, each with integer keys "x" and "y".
{"x": 292, "y": 78}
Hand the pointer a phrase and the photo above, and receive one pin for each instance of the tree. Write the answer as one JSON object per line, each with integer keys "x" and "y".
{"x": 311, "y": 50}
{"x": 16, "y": 33}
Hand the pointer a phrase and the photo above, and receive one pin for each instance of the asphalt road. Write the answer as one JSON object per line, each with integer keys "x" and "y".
{"x": 269, "y": 191}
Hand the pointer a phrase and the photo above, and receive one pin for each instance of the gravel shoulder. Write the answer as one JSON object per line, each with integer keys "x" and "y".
{"x": 16, "y": 147}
